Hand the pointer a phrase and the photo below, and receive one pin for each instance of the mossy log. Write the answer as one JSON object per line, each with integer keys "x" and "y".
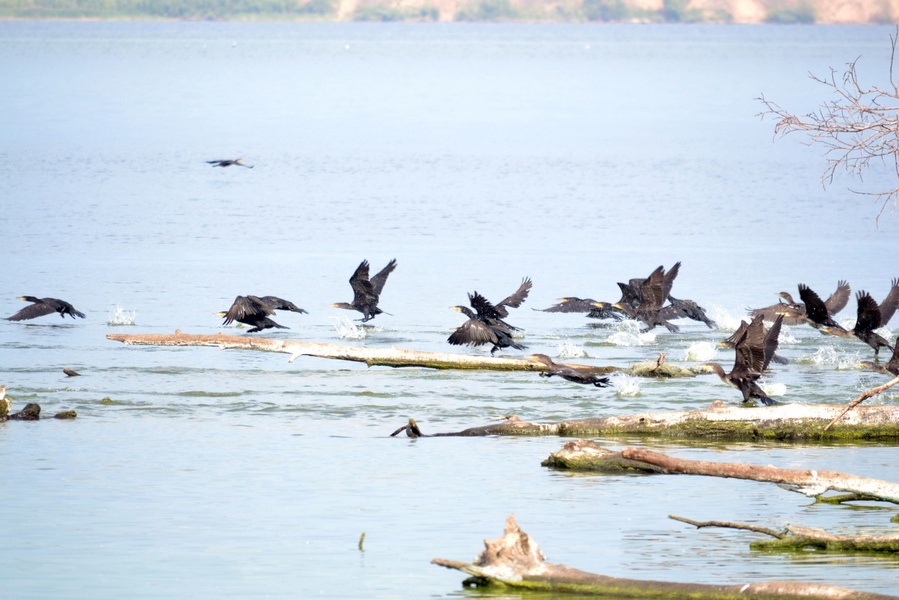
{"x": 786, "y": 422}
{"x": 585, "y": 455}
{"x": 31, "y": 411}
{"x": 515, "y": 561}
{"x": 384, "y": 357}
{"x": 794, "y": 538}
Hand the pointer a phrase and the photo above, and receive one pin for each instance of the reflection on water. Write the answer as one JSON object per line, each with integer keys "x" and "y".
{"x": 579, "y": 156}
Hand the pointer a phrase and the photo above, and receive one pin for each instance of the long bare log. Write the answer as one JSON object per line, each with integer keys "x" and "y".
{"x": 810, "y": 482}
{"x": 787, "y": 422}
{"x": 386, "y": 357}
{"x": 862, "y": 397}
{"x": 515, "y": 560}
{"x": 796, "y": 538}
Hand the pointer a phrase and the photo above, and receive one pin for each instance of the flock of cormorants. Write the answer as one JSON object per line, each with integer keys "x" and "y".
{"x": 647, "y": 300}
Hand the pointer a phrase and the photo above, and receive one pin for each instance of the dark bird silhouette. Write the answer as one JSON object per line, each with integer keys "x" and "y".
{"x": 367, "y": 292}
{"x": 754, "y": 350}
{"x": 816, "y": 313}
{"x": 892, "y": 365}
{"x": 889, "y": 304}
{"x": 867, "y": 320}
{"x": 228, "y": 163}
{"x": 485, "y": 325}
{"x": 643, "y": 299}
{"x": 251, "y": 310}
{"x": 794, "y": 312}
{"x": 686, "y": 309}
{"x": 44, "y": 306}
{"x": 569, "y": 373}
{"x": 593, "y": 308}
{"x": 771, "y": 341}
{"x": 515, "y": 300}
{"x": 276, "y": 303}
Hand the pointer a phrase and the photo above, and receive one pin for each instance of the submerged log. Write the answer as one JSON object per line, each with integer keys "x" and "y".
{"x": 385, "y": 357}
{"x": 785, "y": 422}
{"x": 862, "y": 397}
{"x": 31, "y": 412}
{"x": 516, "y": 561}
{"x": 794, "y": 538}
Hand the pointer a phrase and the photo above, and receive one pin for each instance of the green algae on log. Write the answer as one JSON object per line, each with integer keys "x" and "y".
{"x": 720, "y": 421}
{"x": 793, "y": 538}
{"x": 515, "y": 561}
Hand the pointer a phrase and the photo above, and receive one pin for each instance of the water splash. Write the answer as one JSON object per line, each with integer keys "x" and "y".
{"x": 726, "y": 320}
{"x": 629, "y": 334}
{"x": 626, "y": 386}
{"x": 347, "y": 330}
{"x": 701, "y": 352}
{"x": 569, "y": 349}
{"x": 774, "y": 389}
{"x": 119, "y": 317}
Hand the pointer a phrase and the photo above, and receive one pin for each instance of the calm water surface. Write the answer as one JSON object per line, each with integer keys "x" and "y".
{"x": 475, "y": 155}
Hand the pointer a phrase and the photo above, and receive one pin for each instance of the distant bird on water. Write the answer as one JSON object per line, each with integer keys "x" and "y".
{"x": 228, "y": 162}
{"x": 754, "y": 350}
{"x": 44, "y": 306}
{"x": 253, "y": 311}
{"x": 569, "y": 373}
{"x": 367, "y": 292}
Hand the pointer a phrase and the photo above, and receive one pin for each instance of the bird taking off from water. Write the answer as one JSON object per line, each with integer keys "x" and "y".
{"x": 255, "y": 311}
{"x": 228, "y": 163}
{"x": 44, "y": 306}
{"x": 367, "y": 292}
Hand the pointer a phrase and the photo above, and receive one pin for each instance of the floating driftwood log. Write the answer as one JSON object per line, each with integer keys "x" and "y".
{"x": 787, "y": 422}
{"x": 383, "y": 357}
{"x": 515, "y": 561}
{"x": 585, "y": 455}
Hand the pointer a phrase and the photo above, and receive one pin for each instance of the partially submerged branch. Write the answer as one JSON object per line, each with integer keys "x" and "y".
{"x": 515, "y": 561}
{"x": 795, "y": 538}
{"x": 862, "y": 397}
{"x": 786, "y": 422}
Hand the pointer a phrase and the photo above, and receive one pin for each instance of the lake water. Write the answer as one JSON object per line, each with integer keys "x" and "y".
{"x": 476, "y": 155}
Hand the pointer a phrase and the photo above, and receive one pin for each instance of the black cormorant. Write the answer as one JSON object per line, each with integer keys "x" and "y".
{"x": 794, "y": 312}
{"x": 366, "y": 293}
{"x": 867, "y": 320}
{"x": 686, "y": 309}
{"x": 251, "y": 310}
{"x": 817, "y": 313}
{"x": 227, "y": 163}
{"x": 753, "y": 349}
{"x": 44, "y": 306}
{"x": 485, "y": 324}
{"x": 643, "y": 299}
{"x": 276, "y": 303}
{"x": 569, "y": 373}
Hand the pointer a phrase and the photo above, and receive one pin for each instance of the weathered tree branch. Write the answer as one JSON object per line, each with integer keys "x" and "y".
{"x": 515, "y": 560}
{"x": 862, "y": 397}
{"x": 860, "y": 124}
{"x": 796, "y": 538}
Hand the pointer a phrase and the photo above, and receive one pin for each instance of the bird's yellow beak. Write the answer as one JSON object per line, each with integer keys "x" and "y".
{"x": 618, "y": 306}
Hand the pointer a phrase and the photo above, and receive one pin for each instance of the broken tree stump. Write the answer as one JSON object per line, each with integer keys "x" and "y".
{"x": 515, "y": 561}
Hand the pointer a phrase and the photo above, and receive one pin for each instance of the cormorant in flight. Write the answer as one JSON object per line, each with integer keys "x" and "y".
{"x": 44, "y": 306}
{"x": 367, "y": 293}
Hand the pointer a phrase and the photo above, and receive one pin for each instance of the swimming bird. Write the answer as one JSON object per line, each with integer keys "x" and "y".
{"x": 643, "y": 299}
{"x": 44, "y": 306}
{"x": 867, "y": 320}
{"x": 794, "y": 312}
{"x": 367, "y": 292}
{"x": 227, "y": 163}
{"x": 251, "y": 310}
{"x": 569, "y": 373}
{"x": 484, "y": 326}
{"x": 753, "y": 352}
